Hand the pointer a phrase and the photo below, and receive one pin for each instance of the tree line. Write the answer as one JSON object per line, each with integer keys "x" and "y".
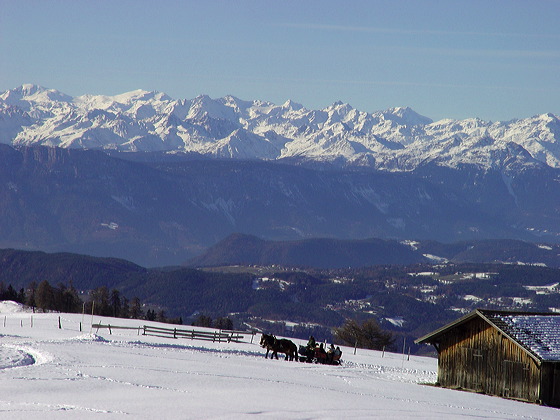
{"x": 220, "y": 323}
{"x": 65, "y": 298}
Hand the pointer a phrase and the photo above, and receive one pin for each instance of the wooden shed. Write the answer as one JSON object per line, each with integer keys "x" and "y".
{"x": 509, "y": 354}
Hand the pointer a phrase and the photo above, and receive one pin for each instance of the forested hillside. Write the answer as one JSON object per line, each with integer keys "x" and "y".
{"x": 409, "y": 300}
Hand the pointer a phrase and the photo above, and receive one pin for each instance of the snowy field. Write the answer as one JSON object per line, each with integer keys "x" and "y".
{"x": 52, "y": 373}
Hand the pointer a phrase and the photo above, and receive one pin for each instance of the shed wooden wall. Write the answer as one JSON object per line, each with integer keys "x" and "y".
{"x": 476, "y": 356}
{"x": 550, "y": 384}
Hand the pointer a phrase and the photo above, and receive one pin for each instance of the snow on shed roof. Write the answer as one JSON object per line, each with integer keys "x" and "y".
{"x": 538, "y": 333}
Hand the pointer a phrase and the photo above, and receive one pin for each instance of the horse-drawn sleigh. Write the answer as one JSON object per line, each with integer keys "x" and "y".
{"x": 306, "y": 353}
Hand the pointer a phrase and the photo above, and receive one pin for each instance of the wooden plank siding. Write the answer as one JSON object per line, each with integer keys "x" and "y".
{"x": 478, "y": 357}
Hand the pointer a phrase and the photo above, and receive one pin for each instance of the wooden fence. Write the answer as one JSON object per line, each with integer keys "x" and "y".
{"x": 114, "y": 327}
{"x": 214, "y": 336}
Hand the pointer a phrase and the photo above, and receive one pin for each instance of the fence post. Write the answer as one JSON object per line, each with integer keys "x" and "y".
{"x": 31, "y": 321}
{"x": 383, "y": 354}
{"x": 403, "y": 351}
{"x": 109, "y": 326}
{"x": 92, "y": 308}
{"x": 83, "y": 314}
{"x": 174, "y": 332}
{"x": 59, "y": 324}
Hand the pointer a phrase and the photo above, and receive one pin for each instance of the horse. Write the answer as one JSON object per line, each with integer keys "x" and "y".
{"x": 271, "y": 343}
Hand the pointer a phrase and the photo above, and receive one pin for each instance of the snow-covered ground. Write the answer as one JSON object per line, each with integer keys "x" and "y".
{"x": 50, "y": 373}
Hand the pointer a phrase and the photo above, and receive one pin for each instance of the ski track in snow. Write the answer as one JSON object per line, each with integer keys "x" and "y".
{"x": 14, "y": 356}
{"x": 34, "y": 407}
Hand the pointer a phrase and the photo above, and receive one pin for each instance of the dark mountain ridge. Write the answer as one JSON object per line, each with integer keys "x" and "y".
{"x": 162, "y": 212}
{"x": 238, "y": 249}
{"x": 21, "y": 268}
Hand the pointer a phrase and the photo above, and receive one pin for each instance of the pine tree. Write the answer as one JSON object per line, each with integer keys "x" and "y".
{"x": 67, "y": 299}
{"x": 160, "y": 317}
{"x": 44, "y": 296}
{"x": 21, "y": 296}
{"x": 125, "y": 309}
{"x": 100, "y": 298}
{"x": 11, "y": 294}
{"x": 116, "y": 304}
{"x": 150, "y": 315}
{"x": 136, "y": 308}
{"x": 30, "y": 296}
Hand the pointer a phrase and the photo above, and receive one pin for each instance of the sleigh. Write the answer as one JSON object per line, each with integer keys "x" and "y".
{"x": 318, "y": 355}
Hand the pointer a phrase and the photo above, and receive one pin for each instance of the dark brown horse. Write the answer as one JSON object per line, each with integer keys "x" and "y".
{"x": 271, "y": 343}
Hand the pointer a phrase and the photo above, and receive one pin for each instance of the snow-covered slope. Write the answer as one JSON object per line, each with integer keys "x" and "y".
{"x": 395, "y": 139}
{"x": 78, "y": 372}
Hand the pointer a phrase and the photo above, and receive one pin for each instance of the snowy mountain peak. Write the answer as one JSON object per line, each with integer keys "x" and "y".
{"x": 25, "y": 90}
{"x": 291, "y": 105}
{"x": 32, "y": 93}
{"x": 203, "y": 106}
{"x": 135, "y": 95}
{"x": 395, "y": 139}
{"x": 549, "y": 117}
{"x": 406, "y": 116}
{"x": 339, "y": 106}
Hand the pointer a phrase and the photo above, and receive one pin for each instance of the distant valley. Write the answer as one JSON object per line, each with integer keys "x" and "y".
{"x": 408, "y": 300}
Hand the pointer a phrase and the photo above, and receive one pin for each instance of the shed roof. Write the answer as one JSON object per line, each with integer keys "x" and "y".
{"x": 536, "y": 333}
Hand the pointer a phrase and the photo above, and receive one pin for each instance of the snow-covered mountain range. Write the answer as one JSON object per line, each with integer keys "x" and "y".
{"x": 397, "y": 139}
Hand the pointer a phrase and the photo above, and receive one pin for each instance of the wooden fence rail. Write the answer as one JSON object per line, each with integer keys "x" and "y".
{"x": 150, "y": 330}
{"x": 114, "y": 327}
{"x": 218, "y": 336}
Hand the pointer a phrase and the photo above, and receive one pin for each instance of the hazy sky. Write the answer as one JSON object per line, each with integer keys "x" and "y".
{"x": 495, "y": 60}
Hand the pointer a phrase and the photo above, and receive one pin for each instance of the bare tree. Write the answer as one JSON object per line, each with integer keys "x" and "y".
{"x": 368, "y": 335}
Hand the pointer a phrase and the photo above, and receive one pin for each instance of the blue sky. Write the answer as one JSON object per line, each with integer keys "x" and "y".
{"x": 496, "y": 60}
